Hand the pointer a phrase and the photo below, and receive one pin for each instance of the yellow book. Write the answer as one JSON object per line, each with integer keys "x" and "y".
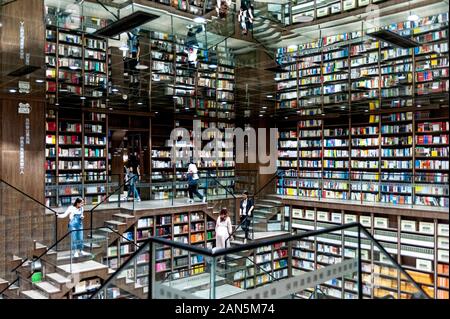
{"x": 434, "y": 153}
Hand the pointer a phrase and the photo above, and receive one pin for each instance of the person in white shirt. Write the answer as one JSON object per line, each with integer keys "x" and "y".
{"x": 223, "y": 229}
{"x": 76, "y": 216}
{"x": 193, "y": 178}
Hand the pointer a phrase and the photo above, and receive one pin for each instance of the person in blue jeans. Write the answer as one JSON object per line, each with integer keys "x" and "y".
{"x": 76, "y": 216}
{"x": 132, "y": 177}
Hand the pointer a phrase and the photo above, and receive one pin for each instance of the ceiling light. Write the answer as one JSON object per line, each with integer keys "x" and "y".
{"x": 264, "y": 107}
{"x": 260, "y": 115}
{"x": 212, "y": 66}
{"x": 115, "y": 90}
{"x": 262, "y": 111}
{"x": 141, "y": 67}
{"x": 82, "y": 98}
{"x": 298, "y": 111}
{"x": 269, "y": 96}
{"x": 123, "y": 47}
{"x": 156, "y": 112}
{"x": 277, "y": 78}
{"x": 418, "y": 105}
{"x": 12, "y": 90}
{"x": 186, "y": 108}
{"x": 285, "y": 117}
{"x": 199, "y": 20}
{"x": 63, "y": 90}
{"x": 323, "y": 114}
{"x": 139, "y": 103}
{"x": 1, "y": 25}
{"x": 413, "y": 17}
{"x": 366, "y": 111}
{"x": 56, "y": 104}
{"x": 441, "y": 100}
{"x": 39, "y": 81}
{"x": 73, "y": 67}
{"x": 224, "y": 103}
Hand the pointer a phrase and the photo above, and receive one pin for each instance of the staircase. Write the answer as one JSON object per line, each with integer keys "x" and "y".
{"x": 267, "y": 220}
{"x": 267, "y": 29}
{"x": 61, "y": 272}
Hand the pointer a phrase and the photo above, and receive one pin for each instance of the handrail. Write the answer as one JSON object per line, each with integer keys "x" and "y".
{"x": 268, "y": 242}
{"x": 107, "y": 197}
{"x": 276, "y": 175}
{"x": 225, "y": 188}
{"x": 67, "y": 234}
{"x": 91, "y": 215}
{"x": 28, "y": 196}
{"x": 10, "y": 285}
{"x": 235, "y": 230}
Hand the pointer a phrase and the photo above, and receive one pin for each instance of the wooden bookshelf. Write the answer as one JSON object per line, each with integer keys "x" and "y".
{"x": 414, "y": 242}
{"x": 394, "y": 143}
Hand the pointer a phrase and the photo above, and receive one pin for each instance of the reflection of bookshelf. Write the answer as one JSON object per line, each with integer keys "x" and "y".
{"x": 387, "y": 91}
{"x": 76, "y": 66}
{"x": 420, "y": 245}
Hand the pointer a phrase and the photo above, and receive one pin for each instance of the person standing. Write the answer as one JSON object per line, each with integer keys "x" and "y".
{"x": 223, "y": 229}
{"x": 245, "y": 211}
{"x": 133, "y": 175}
{"x": 193, "y": 179}
{"x": 76, "y": 216}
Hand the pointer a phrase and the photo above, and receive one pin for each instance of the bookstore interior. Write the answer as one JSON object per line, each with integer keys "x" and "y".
{"x": 213, "y": 149}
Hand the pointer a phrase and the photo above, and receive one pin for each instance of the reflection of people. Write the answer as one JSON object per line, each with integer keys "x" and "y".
{"x": 245, "y": 16}
{"x": 245, "y": 212}
{"x": 223, "y": 229}
{"x": 133, "y": 174}
{"x": 76, "y": 216}
{"x": 192, "y": 44}
{"x": 222, "y": 8}
{"x": 193, "y": 178}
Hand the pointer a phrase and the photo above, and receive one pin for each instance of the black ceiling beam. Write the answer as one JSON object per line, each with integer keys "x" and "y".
{"x": 125, "y": 24}
{"x": 394, "y": 39}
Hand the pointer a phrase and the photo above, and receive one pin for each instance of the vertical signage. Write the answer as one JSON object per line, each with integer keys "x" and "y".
{"x": 27, "y": 131}
{"x": 22, "y": 40}
{"x": 22, "y": 155}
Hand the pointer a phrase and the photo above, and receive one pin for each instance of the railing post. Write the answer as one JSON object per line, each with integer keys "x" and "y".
{"x": 212, "y": 281}
{"x": 360, "y": 293}
{"x": 150, "y": 272}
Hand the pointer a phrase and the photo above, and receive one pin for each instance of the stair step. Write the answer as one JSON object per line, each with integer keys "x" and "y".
{"x": 3, "y": 284}
{"x": 264, "y": 205}
{"x": 93, "y": 245}
{"x": 33, "y": 294}
{"x": 115, "y": 222}
{"x": 58, "y": 278}
{"x": 105, "y": 230}
{"x": 47, "y": 287}
{"x": 122, "y": 215}
{"x": 272, "y": 201}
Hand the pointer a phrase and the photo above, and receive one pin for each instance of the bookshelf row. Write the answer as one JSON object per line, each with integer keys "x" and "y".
{"x": 204, "y": 92}
{"x": 76, "y": 157}
{"x": 193, "y": 228}
{"x": 420, "y": 246}
{"x": 354, "y": 72}
{"x": 398, "y": 158}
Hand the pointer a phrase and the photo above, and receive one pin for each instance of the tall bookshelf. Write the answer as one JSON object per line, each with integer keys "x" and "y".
{"x": 190, "y": 227}
{"x": 420, "y": 245}
{"x": 76, "y": 157}
{"x": 389, "y": 140}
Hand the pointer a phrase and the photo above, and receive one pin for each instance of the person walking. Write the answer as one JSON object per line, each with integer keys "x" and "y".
{"x": 245, "y": 212}
{"x": 223, "y": 229}
{"x": 133, "y": 175}
{"x": 193, "y": 179}
{"x": 76, "y": 216}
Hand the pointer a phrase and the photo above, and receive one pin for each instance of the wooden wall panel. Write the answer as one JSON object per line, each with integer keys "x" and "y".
{"x": 21, "y": 219}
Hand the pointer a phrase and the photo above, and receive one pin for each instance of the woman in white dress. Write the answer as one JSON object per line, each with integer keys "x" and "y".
{"x": 223, "y": 230}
